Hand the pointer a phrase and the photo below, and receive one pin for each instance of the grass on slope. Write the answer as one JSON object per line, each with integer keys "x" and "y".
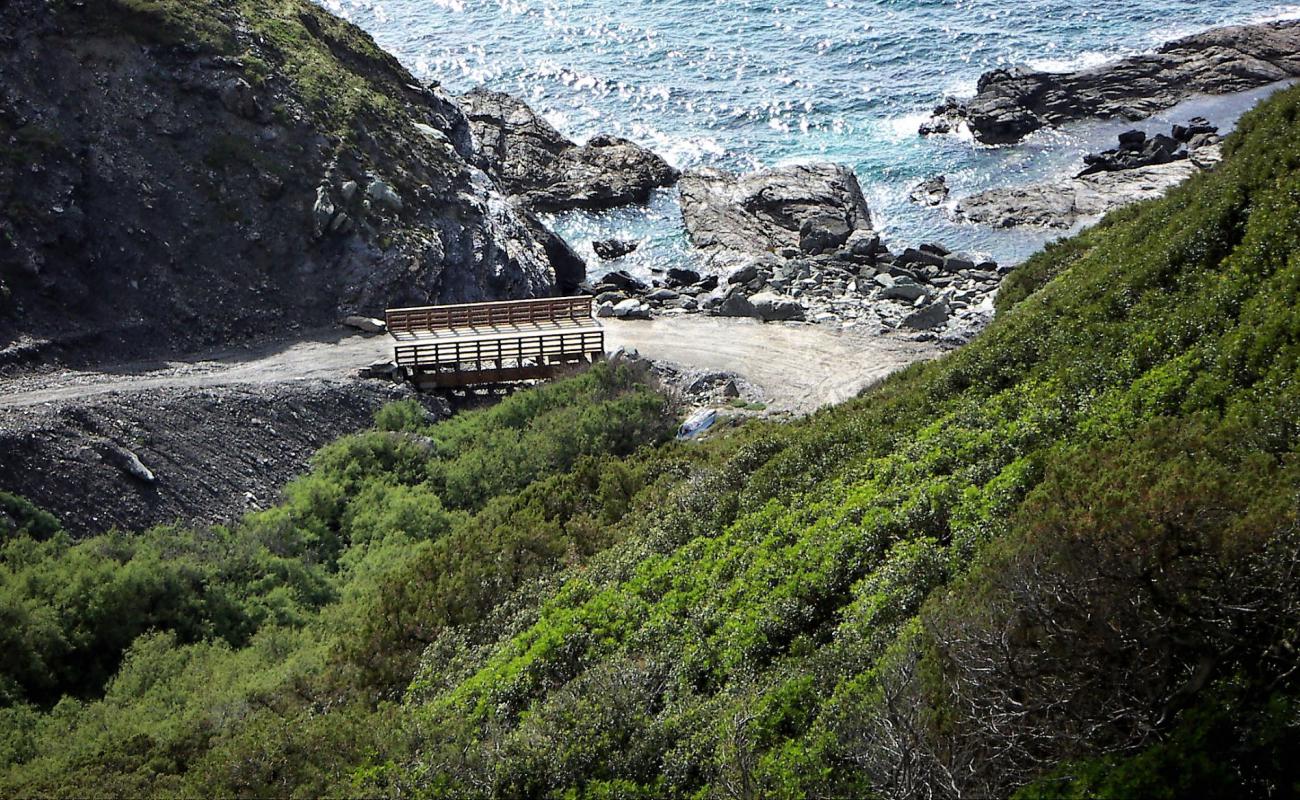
{"x": 343, "y": 80}
{"x": 822, "y": 615}
{"x": 1060, "y": 561}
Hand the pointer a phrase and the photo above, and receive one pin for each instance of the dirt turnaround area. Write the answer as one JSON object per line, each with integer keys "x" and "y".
{"x": 210, "y": 437}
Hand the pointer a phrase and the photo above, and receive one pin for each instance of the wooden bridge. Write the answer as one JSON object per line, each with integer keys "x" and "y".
{"x": 490, "y": 344}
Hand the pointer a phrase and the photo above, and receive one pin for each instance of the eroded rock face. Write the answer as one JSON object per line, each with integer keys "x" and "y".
{"x": 546, "y": 171}
{"x": 157, "y": 194}
{"x": 799, "y": 209}
{"x": 1009, "y": 104}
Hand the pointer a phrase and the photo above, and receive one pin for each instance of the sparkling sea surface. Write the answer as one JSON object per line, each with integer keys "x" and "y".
{"x": 741, "y": 84}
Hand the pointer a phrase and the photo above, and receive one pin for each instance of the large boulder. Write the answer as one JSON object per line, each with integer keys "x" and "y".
{"x": 610, "y": 249}
{"x": 929, "y": 317}
{"x": 1012, "y": 103}
{"x": 736, "y": 304}
{"x": 772, "y": 307}
{"x": 533, "y": 161}
{"x": 793, "y": 210}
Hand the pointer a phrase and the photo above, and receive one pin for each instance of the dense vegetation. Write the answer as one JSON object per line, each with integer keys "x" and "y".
{"x": 1060, "y": 562}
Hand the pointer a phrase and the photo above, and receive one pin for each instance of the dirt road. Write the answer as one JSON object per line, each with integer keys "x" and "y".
{"x": 798, "y": 367}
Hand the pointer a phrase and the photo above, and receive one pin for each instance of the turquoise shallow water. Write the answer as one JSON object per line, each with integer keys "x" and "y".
{"x": 744, "y": 84}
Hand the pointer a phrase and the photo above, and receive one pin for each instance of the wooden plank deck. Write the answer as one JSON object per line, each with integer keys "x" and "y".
{"x": 512, "y": 314}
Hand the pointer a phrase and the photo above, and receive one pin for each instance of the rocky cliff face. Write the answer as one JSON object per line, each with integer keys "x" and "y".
{"x": 174, "y": 174}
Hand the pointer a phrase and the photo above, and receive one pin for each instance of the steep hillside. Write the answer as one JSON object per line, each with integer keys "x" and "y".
{"x": 1061, "y": 561}
{"x": 175, "y": 173}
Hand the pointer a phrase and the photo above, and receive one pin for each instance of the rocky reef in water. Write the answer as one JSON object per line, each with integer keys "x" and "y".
{"x": 1140, "y": 168}
{"x": 547, "y": 171}
{"x": 1009, "y": 104}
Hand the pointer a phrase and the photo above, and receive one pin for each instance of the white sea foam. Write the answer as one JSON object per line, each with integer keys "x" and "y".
{"x": 904, "y": 126}
{"x": 1281, "y": 14}
{"x": 1084, "y": 60}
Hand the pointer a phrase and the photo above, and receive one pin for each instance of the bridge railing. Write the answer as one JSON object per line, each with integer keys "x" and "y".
{"x": 506, "y": 313}
{"x": 515, "y": 348}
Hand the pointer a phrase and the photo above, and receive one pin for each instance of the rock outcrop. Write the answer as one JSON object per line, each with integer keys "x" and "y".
{"x": 546, "y": 171}
{"x": 173, "y": 176}
{"x": 803, "y": 209}
{"x": 1009, "y": 104}
{"x": 1141, "y": 168}
{"x": 796, "y": 244}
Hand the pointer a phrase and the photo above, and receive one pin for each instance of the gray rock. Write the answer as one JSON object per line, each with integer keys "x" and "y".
{"x": 823, "y": 233}
{"x": 914, "y": 256}
{"x": 384, "y": 195}
{"x": 744, "y": 274}
{"x": 238, "y": 97}
{"x": 662, "y": 295}
{"x": 383, "y": 369}
{"x": 175, "y": 121}
{"x": 927, "y": 318}
{"x": 907, "y": 292}
{"x": 1012, "y": 103}
{"x": 736, "y": 304}
{"x": 548, "y": 171}
{"x": 624, "y": 281}
{"x": 863, "y": 244}
{"x": 934, "y": 249}
{"x": 771, "y": 307}
{"x": 762, "y": 213}
{"x": 610, "y": 249}
{"x": 126, "y": 461}
{"x": 930, "y": 192}
{"x": 956, "y": 262}
{"x": 610, "y": 297}
{"x": 632, "y": 309}
{"x": 348, "y": 190}
{"x": 1069, "y": 201}
{"x": 605, "y": 309}
{"x": 322, "y": 211}
{"x": 677, "y": 277}
{"x": 365, "y": 324}
{"x": 1135, "y": 150}
{"x": 342, "y": 223}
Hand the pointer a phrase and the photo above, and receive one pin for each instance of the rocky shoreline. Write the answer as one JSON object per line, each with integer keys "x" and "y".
{"x": 1140, "y": 168}
{"x": 546, "y": 171}
{"x": 1009, "y": 104}
{"x": 797, "y": 244}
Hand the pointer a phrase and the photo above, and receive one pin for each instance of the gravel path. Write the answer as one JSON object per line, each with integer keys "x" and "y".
{"x": 798, "y": 367}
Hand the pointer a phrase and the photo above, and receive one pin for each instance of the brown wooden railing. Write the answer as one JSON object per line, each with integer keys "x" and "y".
{"x": 488, "y": 315}
{"x": 515, "y": 348}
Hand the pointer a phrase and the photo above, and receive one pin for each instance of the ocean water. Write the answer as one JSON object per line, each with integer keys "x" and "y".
{"x": 742, "y": 84}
